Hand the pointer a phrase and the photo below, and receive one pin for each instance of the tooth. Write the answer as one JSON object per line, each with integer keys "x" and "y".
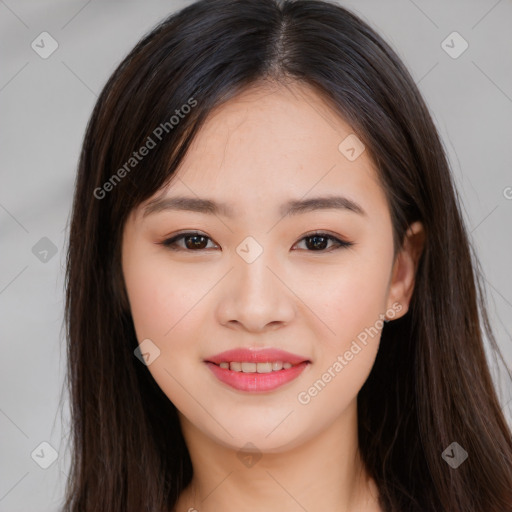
{"x": 248, "y": 367}
{"x": 264, "y": 367}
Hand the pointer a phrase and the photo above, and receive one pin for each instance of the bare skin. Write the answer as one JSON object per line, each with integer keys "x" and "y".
{"x": 257, "y": 151}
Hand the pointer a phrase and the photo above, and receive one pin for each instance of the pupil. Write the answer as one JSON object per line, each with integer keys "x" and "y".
{"x": 195, "y": 245}
{"x": 317, "y": 244}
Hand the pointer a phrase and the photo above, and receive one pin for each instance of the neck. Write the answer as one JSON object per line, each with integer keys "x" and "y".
{"x": 325, "y": 472}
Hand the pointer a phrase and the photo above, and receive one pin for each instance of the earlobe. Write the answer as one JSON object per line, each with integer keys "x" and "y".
{"x": 405, "y": 267}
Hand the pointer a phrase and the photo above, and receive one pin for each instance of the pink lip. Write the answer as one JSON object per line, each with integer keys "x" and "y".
{"x": 256, "y": 382}
{"x": 256, "y": 356}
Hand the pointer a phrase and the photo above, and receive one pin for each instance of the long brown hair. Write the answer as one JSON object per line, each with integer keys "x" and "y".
{"x": 430, "y": 385}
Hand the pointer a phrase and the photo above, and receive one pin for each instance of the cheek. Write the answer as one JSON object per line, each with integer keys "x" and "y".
{"x": 165, "y": 307}
{"x": 344, "y": 360}
{"x": 346, "y": 299}
{"x": 348, "y": 307}
{"x": 161, "y": 300}
{"x": 151, "y": 300}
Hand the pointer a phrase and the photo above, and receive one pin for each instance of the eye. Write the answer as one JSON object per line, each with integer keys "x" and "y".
{"x": 195, "y": 241}
{"x": 319, "y": 240}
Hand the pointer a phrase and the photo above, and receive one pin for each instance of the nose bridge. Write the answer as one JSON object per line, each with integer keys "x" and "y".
{"x": 254, "y": 280}
{"x": 254, "y": 296}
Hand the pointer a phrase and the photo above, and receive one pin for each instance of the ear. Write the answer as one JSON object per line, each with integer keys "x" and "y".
{"x": 403, "y": 275}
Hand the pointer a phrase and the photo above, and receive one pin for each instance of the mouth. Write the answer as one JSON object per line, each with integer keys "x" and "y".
{"x": 256, "y": 370}
{"x": 249, "y": 367}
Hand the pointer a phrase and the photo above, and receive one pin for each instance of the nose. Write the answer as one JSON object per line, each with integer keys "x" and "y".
{"x": 255, "y": 296}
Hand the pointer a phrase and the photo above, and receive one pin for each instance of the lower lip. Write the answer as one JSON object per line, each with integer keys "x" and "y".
{"x": 254, "y": 382}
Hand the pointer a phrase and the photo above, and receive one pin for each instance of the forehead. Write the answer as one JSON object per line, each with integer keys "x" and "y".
{"x": 274, "y": 142}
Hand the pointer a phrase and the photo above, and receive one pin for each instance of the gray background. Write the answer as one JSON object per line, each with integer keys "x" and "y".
{"x": 45, "y": 105}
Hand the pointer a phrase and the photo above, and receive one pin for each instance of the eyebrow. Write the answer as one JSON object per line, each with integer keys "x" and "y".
{"x": 292, "y": 207}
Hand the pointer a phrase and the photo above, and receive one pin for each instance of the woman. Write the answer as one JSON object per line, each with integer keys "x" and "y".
{"x": 271, "y": 298}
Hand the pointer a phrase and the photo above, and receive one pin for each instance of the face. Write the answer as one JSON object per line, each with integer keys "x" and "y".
{"x": 315, "y": 281}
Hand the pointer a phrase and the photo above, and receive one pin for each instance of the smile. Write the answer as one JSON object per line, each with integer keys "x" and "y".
{"x": 249, "y": 367}
{"x": 256, "y": 369}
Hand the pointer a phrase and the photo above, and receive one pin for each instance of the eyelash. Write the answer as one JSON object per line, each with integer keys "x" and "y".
{"x": 171, "y": 242}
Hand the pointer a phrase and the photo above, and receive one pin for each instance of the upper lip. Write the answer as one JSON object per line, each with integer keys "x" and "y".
{"x": 256, "y": 356}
